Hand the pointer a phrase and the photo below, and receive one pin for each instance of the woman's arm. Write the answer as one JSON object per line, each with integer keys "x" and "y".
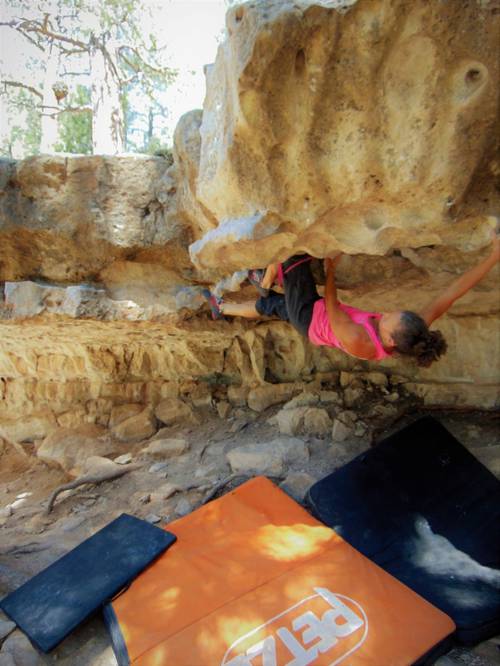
{"x": 461, "y": 285}
{"x": 353, "y": 337}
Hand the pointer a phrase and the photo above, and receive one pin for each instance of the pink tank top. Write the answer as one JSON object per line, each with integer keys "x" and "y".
{"x": 320, "y": 332}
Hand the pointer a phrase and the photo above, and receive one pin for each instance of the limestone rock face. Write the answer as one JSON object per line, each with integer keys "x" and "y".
{"x": 360, "y": 126}
{"x": 369, "y": 126}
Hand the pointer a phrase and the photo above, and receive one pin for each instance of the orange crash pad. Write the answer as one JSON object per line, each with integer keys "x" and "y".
{"x": 254, "y": 580}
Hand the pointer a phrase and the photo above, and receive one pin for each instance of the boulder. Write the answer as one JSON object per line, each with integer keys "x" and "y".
{"x": 166, "y": 448}
{"x": 123, "y": 412}
{"x": 291, "y": 421}
{"x": 304, "y": 399}
{"x": 70, "y": 447}
{"x": 262, "y": 397}
{"x": 29, "y": 428}
{"x": 340, "y": 431}
{"x": 173, "y": 410}
{"x": 136, "y": 428}
{"x": 268, "y": 457}
{"x": 317, "y": 422}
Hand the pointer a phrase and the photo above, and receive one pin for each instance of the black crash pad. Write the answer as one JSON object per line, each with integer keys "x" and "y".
{"x": 424, "y": 509}
{"x": 55, "y": 601}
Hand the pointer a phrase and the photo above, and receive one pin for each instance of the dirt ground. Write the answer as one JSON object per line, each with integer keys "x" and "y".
{"x": 30, "y": 539}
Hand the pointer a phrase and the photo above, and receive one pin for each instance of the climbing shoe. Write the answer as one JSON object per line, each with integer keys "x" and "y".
{"x": 214, "y": 303}
{"x": 255, "y": 277}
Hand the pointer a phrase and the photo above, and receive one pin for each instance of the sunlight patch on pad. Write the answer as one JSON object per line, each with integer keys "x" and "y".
{"x": 289, "y": 542}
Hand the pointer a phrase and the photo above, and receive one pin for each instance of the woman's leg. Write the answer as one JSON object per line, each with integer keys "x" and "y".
{"x": 270, "y": 276}
{"x": 300, "y": 292}
{"x": 246, "y": 310}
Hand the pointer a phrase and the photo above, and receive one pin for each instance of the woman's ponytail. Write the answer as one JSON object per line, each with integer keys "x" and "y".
{"x": 414, "y": 339}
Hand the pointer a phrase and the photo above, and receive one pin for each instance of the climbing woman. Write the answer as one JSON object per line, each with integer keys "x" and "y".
{"x": 326, "y": 321}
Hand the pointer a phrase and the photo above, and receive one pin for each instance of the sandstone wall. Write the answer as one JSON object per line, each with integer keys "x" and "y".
{"x": 368, "y": 126}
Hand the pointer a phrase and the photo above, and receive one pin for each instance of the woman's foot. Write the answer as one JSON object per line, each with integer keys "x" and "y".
{"x": 214, "y": 303}
{"x": 255, "y": 277}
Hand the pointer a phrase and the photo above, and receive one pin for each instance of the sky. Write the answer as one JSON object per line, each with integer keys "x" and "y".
{"x": 191, "y": 30}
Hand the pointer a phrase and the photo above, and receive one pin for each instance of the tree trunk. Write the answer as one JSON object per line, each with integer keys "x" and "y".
{"x": 49, "y": 123}
{"x": 107, "y": 114}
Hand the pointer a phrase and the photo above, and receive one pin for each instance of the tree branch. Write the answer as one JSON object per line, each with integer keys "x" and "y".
{"x": 28, "y": 25}
{"x": 66, "y": 109}
{"x": 17, "y": 84}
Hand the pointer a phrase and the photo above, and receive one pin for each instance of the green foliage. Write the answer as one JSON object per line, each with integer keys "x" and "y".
{"x": 75, "y": 128}
{"x": 132, "y": 42}
{"x": 26, "y": 130}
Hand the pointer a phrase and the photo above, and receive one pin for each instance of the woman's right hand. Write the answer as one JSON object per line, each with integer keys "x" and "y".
{"x": 332, "y": 262}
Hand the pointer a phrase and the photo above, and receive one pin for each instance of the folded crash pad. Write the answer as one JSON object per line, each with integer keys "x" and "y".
{"x": 254, "y": 580}
{"x": 424, "y": 509}
{"x": 61, "y": 597}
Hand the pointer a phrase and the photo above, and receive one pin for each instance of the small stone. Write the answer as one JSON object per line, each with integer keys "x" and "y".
{"x": 330, "y": 397}
{"x": 352, "y": 395}
{"x": 136, "y": 428}
{"x": 297, "y": 484}
{"x": 123, "y": 459}
{"x": 348, "y": 417}
{"x": 317, "y": 422}
{"x": 71, "y": 524}
{"x": 144, "y": 499}
{"x": 397, "y": 379}
{"x": 345, "y": 378}
{"x": 183, "y": 507}
{"x": 262, "y": 397}
{"x": 267, "y": 457}
{"x": 166, "y": 448}
{"x": 158, "y": 467}
{"x": 384, "y": 411}
{"x": 223, "y": 409}
{"x": 340, "y": 432}
{"x": 360, "y": 429}
{"x": 17, "y": 503}
{"x": 23, "y": 495}
{"x": 304, "y": 399}
{"x": 152, "y": 518}
{"x": 174, "y": 410}
{"x": 291, "y": 421}
{"x": 164, "y": 492}
{"x": 6, "y": 628}
{"x": 392, "y": 397}
{"x": 377, "y": 378}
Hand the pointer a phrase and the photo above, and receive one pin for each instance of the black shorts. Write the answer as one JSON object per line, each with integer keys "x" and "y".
{"x": 296, "y": 305}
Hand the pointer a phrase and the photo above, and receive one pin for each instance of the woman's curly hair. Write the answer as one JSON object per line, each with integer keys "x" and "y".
{"x": 414, "y": 339}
